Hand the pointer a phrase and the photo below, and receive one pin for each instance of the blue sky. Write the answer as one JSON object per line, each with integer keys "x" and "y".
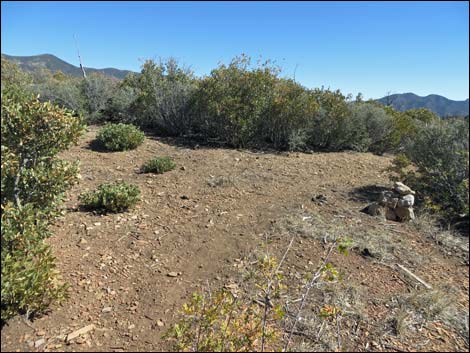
{"x": 368, "y": 47}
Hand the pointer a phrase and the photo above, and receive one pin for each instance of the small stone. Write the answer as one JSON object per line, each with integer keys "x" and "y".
{"x": 80, "y": 340}
{"x": 97, "y": 224}
{"x": 108, "y": 309}
{"x": 184, "y": 197}
{"x": 160, "y": 323}
{"x": 183, "y": 168}
{"x": 39, "y": 343}
{"x": 41, "y": 333}
{"x": 131, "y": 327}
{"x": 172, "y": 274}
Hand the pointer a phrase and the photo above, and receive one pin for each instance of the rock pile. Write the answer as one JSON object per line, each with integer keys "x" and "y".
{"x": 394, "y": 205}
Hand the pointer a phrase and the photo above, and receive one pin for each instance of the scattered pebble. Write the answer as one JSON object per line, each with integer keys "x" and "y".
{"x": 39, "y": 343}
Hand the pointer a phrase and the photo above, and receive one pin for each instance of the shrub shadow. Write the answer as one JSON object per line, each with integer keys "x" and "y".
{"x": 368, "y": 193}
{"x": 96, "y": 146}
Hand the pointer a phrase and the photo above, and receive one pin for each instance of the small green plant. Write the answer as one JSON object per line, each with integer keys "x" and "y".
{"x": 111, "y": 197}
{"x": 252, "y": 317}
{"x": 120, "y": 137}
{"x": 226, "y": 321}
{"x": 158, "y": 165}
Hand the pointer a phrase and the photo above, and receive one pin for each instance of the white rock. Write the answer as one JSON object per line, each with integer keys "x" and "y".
{"x": 402, "y": 189}
{"x": 407, "y": 201}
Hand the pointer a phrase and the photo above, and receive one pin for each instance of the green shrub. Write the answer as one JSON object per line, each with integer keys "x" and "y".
{"x": 12, "y": 77}
{"x": 29, "y": 279}
{"x": 330, "y": 129}
{"x": 118, "y": 108}
{"x": 163, "y": 94}
{"x": 230, "y": 103}
{"x": 158, "y": 165}
{"x": 115, "y": 197}
{"x": 96, "y": 91}
{"x": 33, "y": 181}
{"x": 370, "y": 128}
{"x": 440, "y": 152}
{"x": 60, "y": 89}
{"x": 120, "y": 137}
{"x": 288, "y": 116}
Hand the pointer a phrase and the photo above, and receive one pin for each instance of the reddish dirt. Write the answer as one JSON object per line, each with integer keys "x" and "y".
{"x": 189, "y": 224}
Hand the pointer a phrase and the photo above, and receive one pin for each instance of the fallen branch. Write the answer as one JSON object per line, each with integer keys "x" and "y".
{"x": 411, "y": 274}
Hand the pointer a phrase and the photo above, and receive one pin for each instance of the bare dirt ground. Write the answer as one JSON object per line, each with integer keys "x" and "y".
{"x": 217, "y": 207}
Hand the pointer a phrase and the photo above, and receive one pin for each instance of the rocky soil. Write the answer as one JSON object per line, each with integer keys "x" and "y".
{"x": 129, "y": 273}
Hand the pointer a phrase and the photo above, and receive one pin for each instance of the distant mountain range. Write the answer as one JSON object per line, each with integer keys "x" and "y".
{"x": 53, "y": 63}
{"x": 438, "y": 104}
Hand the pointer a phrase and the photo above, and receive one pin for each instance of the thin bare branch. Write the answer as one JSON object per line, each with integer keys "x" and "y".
{"x": 305, "y": 295}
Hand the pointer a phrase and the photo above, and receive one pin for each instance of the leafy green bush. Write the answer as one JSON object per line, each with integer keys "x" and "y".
{"x": 405, "y": 126}
{"x": 12, "y": 77}
{"x": 232, "y": 100}
{"x": 163, "y": 96}
{"x": 118, "y": 108}
{"x": 33, "y": 133}
{"x": 288, "y": 116}
{"x": 115, "y": 197}
{"x": 370, "y": 128}
{"x": 33, "y": 181}
{"x": 60, "y": 89}
{"x": 158, "y": 165}
{"x": 120, "y": 137}
{"x": 96, "y": 91}
{"x": 440, "y": 152}
{"x": 29, "y": 279}
{"x": 229, "y": 321}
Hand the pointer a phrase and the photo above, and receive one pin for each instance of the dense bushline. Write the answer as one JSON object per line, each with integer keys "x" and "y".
{"x": 33, "y": 180}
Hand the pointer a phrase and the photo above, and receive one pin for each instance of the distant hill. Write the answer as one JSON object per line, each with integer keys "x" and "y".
{"x": 438, "y": 104}
{"x": 53, "y": 63}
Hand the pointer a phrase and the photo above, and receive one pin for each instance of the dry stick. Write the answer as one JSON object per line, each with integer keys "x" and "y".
{"x": 80, "y": 59}
{"x": 338, "y": 336}
{"x": 267, "y": 300}
{"x": 411, "y": 274}
{"x": 305, "y": 295}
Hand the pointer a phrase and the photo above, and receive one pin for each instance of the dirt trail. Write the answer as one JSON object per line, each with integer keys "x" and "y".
{"x": 216, "y": 207}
